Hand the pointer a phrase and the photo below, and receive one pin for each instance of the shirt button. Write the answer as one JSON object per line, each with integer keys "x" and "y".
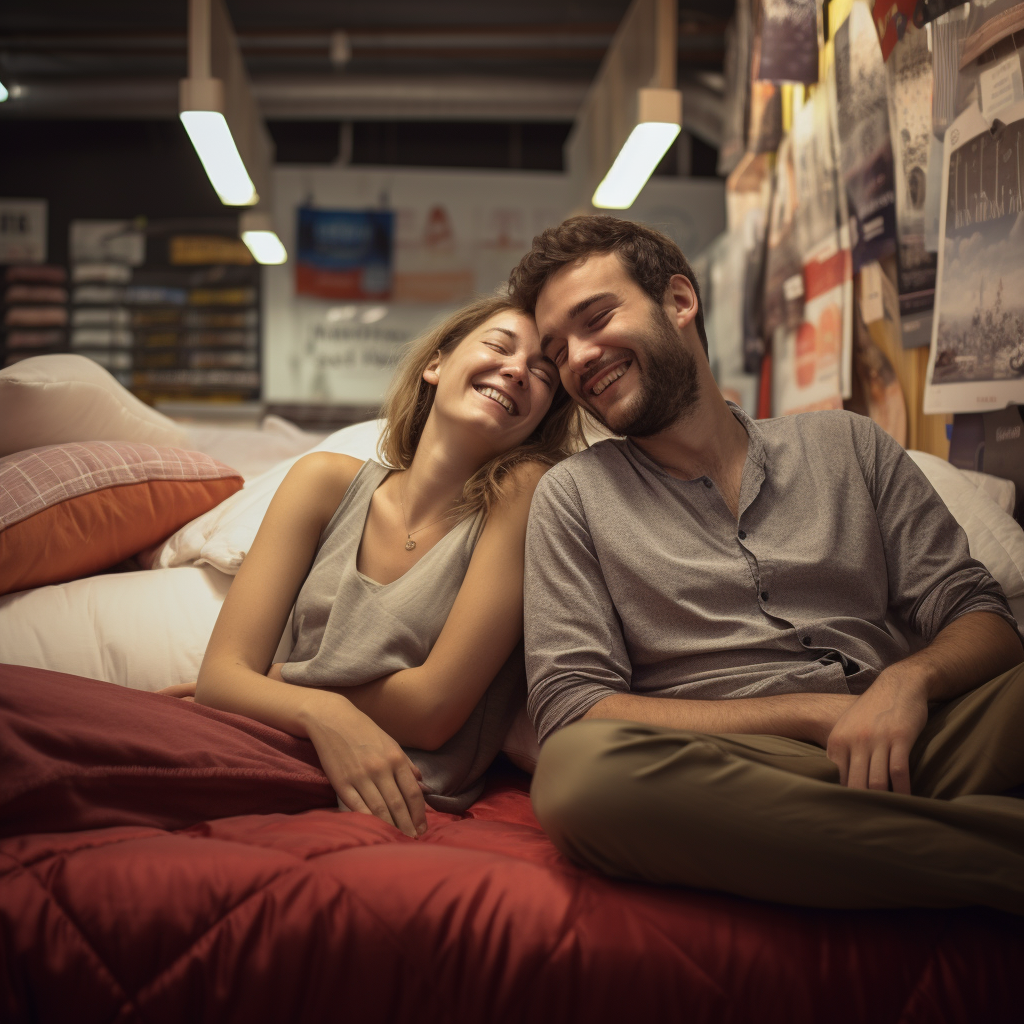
{"x": 707, "y": 482}
{"x": 764, "y": 595}
{"x": 742, "y": 535}
{"x": 806, "y": 641}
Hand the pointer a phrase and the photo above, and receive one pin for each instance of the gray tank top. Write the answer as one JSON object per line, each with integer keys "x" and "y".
{"x": 349, "y": 630}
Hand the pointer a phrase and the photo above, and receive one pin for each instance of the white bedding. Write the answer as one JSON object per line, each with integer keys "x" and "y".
{"x": 149, "y": 629}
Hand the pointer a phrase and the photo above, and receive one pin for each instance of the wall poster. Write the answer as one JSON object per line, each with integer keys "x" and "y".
{"x": 909, "y": 73}
{"x": 812, "y": 366}
{"x": 977, "y": 353}
{"x": 865, "y": 152}
{"x": 335, "y": 338}
{"x": 786, "y": 46}
{"x": 344, "y": 254}
{"x": 23, "y": 230}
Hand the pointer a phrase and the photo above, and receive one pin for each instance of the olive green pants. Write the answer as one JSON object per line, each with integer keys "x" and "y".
{"x": 765, "y": 817}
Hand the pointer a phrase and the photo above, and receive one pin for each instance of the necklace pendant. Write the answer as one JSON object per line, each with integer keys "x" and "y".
{"x": 410, "y": 544}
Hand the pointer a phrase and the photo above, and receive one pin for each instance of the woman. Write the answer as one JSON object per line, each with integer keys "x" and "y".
{"x": 407, "y": 583}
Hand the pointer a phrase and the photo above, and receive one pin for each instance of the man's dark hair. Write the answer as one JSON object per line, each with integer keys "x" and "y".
{"x": 650, "y": 258}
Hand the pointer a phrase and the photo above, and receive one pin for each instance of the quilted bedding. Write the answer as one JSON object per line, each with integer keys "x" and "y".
{"x": 161, "y": 861}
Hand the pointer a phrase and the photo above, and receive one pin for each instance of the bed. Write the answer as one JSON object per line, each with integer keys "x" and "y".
{"x": 164, "y": 861}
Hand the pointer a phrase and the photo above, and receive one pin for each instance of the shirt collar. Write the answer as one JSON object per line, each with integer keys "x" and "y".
{"x": 755, "y": 446}
{"x": 755, "y": 450}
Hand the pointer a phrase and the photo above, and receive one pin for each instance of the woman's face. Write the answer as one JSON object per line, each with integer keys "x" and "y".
{"x": 496, "y": 380}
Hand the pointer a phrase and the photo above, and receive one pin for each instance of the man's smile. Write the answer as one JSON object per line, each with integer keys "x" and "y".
{"x": 609, "y": 378}
{"x": 602, "y": 377}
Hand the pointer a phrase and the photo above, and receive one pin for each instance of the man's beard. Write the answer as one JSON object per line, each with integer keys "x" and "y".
{"x": 669, "y": 385}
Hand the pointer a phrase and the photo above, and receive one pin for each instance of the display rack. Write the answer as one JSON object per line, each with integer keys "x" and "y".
{"x": 171, "y": 333}
{"x": 34, "y": 315}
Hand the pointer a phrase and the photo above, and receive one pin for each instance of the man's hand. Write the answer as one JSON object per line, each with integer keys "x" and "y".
{"x": 872, "y": 740}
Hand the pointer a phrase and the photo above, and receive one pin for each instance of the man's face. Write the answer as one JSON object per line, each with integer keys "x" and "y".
{"x": 619, "y": 354}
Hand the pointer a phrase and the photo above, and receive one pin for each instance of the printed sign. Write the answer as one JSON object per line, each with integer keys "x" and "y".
{"x": 107, "y": 241}
{"x": 22, "y": 230}
{"x": 344, "y": 254}
{"x": 977, "y": 354}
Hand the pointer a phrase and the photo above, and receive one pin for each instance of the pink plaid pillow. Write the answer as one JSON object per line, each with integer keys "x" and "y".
{"x": 70, "y": 510}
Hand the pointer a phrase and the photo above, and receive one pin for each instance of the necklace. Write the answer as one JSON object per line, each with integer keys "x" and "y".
{"x": 410, "y": 544}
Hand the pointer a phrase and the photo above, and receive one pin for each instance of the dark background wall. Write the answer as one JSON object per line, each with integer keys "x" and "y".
{"x": 105, "y": 169}
{"x": 124, "y": 169}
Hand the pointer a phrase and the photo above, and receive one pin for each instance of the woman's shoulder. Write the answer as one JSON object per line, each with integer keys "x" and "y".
{"x": 518, "y": 487}
{"x": 321, "y": 477}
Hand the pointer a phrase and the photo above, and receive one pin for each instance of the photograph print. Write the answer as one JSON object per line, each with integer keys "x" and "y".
{"x": 977, "y": 357}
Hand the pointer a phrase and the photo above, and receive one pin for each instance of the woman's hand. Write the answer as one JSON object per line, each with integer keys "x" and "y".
{"x": 184, "y": 690}
{"x": 369, "y": 771}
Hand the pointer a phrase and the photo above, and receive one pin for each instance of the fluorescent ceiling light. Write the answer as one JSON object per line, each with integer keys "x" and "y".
{"x": 3, "y": 93}
{"x": 212, "y": 139}
{"x": 265, "y": 247}
{"x": 641, "y": 153}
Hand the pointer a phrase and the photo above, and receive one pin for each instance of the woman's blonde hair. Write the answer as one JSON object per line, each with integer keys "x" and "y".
{"x": 410, "y": 399}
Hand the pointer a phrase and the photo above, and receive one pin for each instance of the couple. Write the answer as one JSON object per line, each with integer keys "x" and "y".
{"x": 719, "y": 699}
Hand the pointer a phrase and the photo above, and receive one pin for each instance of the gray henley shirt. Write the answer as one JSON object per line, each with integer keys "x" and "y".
{"x": 638, "y": 582}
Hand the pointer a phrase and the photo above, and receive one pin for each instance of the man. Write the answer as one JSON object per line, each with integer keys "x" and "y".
{"x": 720, "y": 700}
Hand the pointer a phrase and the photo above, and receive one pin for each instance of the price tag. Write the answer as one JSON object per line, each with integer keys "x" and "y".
{"x": 1001, "y": 86}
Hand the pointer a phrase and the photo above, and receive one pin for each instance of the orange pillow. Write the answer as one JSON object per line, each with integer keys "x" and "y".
{"x": 71, "y": 510}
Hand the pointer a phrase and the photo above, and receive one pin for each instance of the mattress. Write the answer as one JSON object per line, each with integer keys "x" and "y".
{"x": 165, "y": 862}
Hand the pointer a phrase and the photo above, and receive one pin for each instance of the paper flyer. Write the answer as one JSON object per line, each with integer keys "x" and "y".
{"x": 865, "y": 151}
{"x": 23, "y": 230}
{"x": 976, "y": 361}
{"x": 783, "y": 270}
{"x": 909, "y": 72}
{"x": 891, "y": 21}
{"x": 344, "y": 254}
{"x": 808, "y": 364}
{"x": 877, "y": 391}
{"x": 786, "y": 47}
{"x": 727, "y": 258}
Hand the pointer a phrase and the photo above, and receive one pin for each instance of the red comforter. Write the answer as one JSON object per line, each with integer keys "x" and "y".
{"x": 160, "y": 861}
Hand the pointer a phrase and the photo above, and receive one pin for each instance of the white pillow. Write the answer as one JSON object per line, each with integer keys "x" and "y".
{"x": 60, "y": 398}
{"x": 994, "y": 537}
{"x": 145, "y": 630}
{"x": 222, "y": 537}
{"x": 252, "y": 452}
{"x": 1002, "y": 492}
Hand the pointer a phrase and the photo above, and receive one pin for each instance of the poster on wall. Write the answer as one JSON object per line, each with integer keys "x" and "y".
{"x": 455, "y": 234}
{"x": 909, "y": 72}
{"x": 727, "y": 260}
{"x": 865, "y": 151}
{"x": 345, "y": 353}
{"x": 976, "y": 361}
{"x": 344, "y": 254}
{"x": 783, "y": 272}
{"x": 891, "y": 21}
{"x": 433, "y": 256}
{"x": 786, "y": 46}
{"x": 811, "y": 368}
{"x": 22, "y": 230}
{"x": 107, "y": 241}
{"x": 877, "y": 391}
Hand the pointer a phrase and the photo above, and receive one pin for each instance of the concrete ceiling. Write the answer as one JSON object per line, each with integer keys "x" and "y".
{"x": 531, "y": 60}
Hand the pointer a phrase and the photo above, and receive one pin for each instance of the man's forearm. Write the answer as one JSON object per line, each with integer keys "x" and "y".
{"x": 968, "y": 652}
{"x": 800, "y": 716}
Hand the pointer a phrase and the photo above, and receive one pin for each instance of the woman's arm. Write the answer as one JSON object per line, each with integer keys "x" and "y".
{"x": 425, "y": 706}
{"x": 368, "y": 769}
